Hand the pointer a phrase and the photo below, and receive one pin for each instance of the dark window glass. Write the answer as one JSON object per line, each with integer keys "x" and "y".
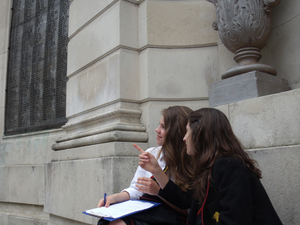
{"x": 37, "y": 69}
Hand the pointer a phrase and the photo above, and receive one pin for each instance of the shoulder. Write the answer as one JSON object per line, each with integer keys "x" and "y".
{"x": 229, "y": 167}
{"x": 222, "y": 163}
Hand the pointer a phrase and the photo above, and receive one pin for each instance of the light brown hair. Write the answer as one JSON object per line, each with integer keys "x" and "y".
{"x": 174, "y": 148}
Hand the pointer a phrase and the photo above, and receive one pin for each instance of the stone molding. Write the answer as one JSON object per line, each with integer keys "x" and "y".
{"x": 102, "y": 138}
{"x": 121, "y": 124}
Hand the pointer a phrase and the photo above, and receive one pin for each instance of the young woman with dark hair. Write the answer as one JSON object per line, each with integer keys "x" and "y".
{"x": 174, "y": 164}
{"x": 226, "y": 184}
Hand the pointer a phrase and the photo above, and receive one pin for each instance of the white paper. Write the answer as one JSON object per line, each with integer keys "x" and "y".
{"x": 120, "y": 209}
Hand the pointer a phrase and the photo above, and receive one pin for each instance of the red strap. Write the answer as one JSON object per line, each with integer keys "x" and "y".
{"x": 202, "y": 207}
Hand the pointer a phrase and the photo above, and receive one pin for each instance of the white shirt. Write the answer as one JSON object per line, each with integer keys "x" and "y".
{"x": 140, "y": 172}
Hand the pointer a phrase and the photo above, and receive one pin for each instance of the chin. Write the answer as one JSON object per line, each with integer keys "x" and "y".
{"x": 159, "y": 143}
{"x": 189, "y": 153}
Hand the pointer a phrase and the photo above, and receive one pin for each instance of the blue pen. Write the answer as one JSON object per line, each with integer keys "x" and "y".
{"x": 104, "y": 199}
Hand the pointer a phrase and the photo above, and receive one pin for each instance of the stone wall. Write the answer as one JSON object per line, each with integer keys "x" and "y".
{"x": 128, "y": 60}
{"x": 268, "y": 127}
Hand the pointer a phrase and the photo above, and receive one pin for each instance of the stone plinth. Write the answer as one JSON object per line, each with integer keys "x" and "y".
{"x": 245, "y": 86}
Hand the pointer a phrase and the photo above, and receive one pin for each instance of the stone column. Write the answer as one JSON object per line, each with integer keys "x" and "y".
{"x": 95, "y": 153}
{"x": 127, "y": 61}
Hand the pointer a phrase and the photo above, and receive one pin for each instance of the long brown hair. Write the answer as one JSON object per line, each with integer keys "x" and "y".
{"x": 174, "y": 148}
{"x": 212, "y": 136}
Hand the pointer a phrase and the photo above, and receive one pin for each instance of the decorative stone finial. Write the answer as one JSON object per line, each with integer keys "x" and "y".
{"x": 244, "y": 27}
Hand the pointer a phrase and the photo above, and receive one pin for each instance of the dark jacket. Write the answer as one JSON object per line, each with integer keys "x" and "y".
{"x": 235, "y": 197}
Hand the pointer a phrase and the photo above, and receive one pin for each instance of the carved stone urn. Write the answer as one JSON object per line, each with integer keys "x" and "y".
{"x": 244, "y": 27}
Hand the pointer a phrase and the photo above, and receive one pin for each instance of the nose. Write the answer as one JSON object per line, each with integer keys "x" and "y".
{"x": 184, "y": 139}
{"x": 157, "y": 130}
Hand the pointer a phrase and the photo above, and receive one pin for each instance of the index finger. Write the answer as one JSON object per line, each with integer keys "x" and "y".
{"x": 138, "y": 148}
{"x": 100, "y": 203}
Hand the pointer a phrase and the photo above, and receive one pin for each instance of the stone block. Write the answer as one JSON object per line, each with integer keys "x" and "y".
{"x": 75, "y": 186}
{"x": 5, "y": 13}
{"x": 4, "y": 35}
{"x": 2, "y": 116}
{"x": 271, "y": 120}
{"x": 27, "y": 149}
{"x": 22, "y": 214}
{"x": 103, "y": 36}
{"x": 176, "y": 23}
{"x": 245, "y": 86}
{"x": 24, "y": 221}
{"x": 177, "y": 73}
{"x": 112, "y": 78}
{"x": 281, "y": 179}
{"x": 23, "y": 184}
{"x": 56, "y": 220}
{"x": 285, "y": 12}
{"x": 81, "y": 12}
{"x": 3, "y": 74}
{"x": 128, "y": 24}
{"x": 285, "y": 48}
{"x": 3, "y": 66}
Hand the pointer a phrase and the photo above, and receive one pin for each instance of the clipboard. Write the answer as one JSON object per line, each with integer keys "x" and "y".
{"x": 121, "y": 209}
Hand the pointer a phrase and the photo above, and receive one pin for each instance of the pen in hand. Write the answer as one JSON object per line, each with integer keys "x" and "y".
{"x": 104, "y": 199}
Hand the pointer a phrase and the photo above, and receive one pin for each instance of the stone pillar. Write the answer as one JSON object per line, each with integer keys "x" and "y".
{"x": 102, "y": 90}
{"x": 127, "y": 60}
{"x": 95, "y": 153}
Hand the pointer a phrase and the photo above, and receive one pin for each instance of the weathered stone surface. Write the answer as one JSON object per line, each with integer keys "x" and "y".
{"x": 281, "y": 178}
{"x": 181, "y": 23}
{"x": 184, "y": 73}
{"x": 4, "y": 25}
{"x": 112, "y": 78}
{"x": 285, "y": 48}
{"x": 55, "y": 220}
{"x": 269, "y": 121}
{"x": 77, "y": 185}
{"x": 21, "y": 220}
{"x": 103, "y": 35}
{"x": 245, "y": 86}
{"x": 28, "y": 149}
{"x": 23, "y": 184}
{"x": 81, "y": 12}
{"x": 2, "y": 113}
{"x": 23, "y": 214}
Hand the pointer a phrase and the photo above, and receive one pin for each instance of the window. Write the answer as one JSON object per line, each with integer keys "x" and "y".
{"x": 37, "y": 67}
